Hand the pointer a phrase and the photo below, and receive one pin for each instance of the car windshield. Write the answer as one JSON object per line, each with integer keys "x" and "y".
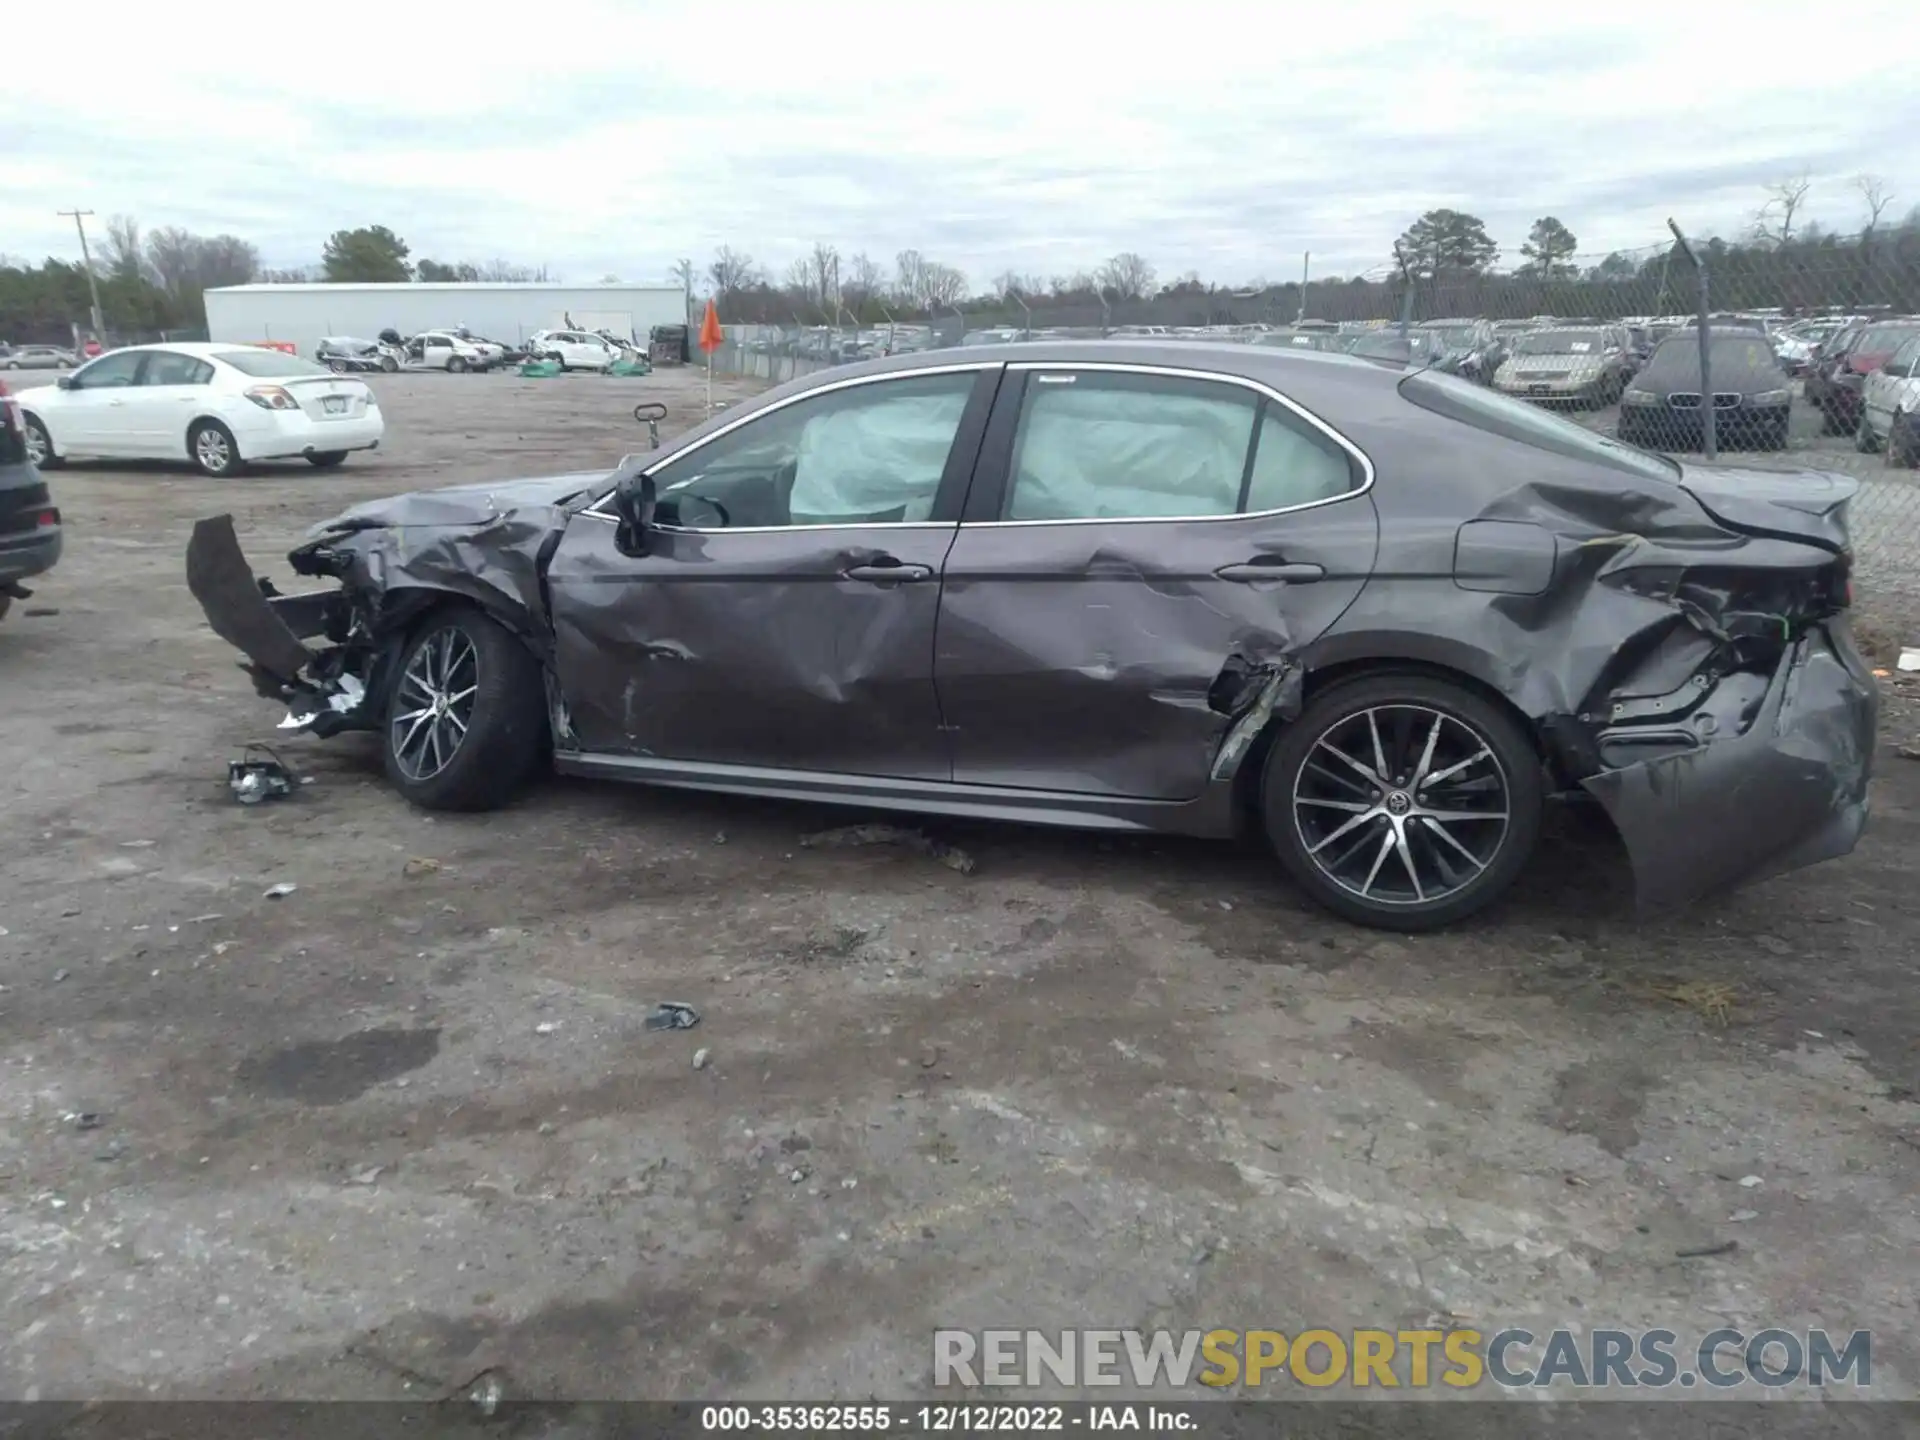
{"x": 1560, "y": 342}
{"x": 1454, "y": 337}
{"x": 268, "y": 364}
{"x": 1737, "y": 357}
{"x": 1384, "y": 345}
{"x": 1487, "y": 410}
{"x": 1879, "y": 339}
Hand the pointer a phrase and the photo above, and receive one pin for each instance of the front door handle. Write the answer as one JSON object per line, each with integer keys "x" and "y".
{"x": 888, "y": 571}
{"x": 1290, "y": 571}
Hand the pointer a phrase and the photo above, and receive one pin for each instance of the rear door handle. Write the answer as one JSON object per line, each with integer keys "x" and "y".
{"x": 1291, "y": 571}
{"x": 888, "y": 571}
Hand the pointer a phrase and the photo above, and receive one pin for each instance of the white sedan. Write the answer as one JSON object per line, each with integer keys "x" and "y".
{"x": 574, "y": 349}
{"x": 219, "y": 406}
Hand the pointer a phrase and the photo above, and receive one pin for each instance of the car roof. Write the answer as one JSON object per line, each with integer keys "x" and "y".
{"x": 1310, "y": 377}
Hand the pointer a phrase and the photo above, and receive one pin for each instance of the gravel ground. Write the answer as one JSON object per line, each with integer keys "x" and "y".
{"x": 405, "y": 1125}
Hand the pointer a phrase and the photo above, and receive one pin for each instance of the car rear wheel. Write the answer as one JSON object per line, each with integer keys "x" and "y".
{"x": 327, "y": 459}
{"x": 389, "y": 364}
{"x": 1403, "y": 802}
{"x": 211, "y": 445}
{"x": 40, "y": 445}
{"x": 467, "y": 714}
{"x": 1864, "y": 440}
{"x": 456, "y": 364}
{"x": 339, "y": 367}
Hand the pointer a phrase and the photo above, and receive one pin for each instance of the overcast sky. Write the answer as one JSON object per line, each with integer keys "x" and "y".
{"x": 600, "y": 138}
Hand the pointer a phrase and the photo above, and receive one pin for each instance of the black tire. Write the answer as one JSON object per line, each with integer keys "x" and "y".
{"x": 339, "y": 367}
{"x": 327, "y": 459}
{"x": 207, "y": 441}
{"x": 1778, "y": 432}
{"x": 6, "y": 604}
{"x": 1509, "y": 769}
{"x": 13, "y": 364}
{"x": 1829, "y": 422}
{"x": 35, "y": 430}
{"x": 1864, "y": 440}
{"x": 1901, "y": 449}
{"x": 457, "y": 365}
{"x": 506, "y": 723}
{"x": 389, "y": 364}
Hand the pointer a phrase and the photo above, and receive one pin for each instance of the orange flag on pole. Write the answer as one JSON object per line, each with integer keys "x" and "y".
{"x": 712, "y": 337}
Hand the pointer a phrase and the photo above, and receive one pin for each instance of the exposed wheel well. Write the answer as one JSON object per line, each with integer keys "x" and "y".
{"x": 1247, "y": 778}
{"x": 186, "y": 436}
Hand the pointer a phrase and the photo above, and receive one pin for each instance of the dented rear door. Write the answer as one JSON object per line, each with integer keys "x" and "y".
{"x": 1141, "y": 546}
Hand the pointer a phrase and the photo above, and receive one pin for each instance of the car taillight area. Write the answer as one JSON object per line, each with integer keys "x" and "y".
{"x": 272, "y": 397}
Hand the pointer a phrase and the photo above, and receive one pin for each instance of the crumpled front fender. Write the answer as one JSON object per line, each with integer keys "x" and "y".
{"x": 1787, "y": 790}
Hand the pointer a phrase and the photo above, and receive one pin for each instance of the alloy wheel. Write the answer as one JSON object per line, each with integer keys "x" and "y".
{"x": 36, "y": 447}
{"x": 434, "y": 705}
{"x": 1402, "y": 804}
{"x": 213, "y": 451}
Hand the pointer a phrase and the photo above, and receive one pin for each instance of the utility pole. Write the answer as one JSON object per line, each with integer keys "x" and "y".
{"x": 93, "y": 285}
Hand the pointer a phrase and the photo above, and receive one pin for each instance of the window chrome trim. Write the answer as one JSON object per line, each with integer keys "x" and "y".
{"x": 1367, "y": 472}
{"x": 831, "y": 387}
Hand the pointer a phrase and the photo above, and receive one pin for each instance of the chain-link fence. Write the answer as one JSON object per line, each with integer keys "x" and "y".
{"x": 1801, "y": 356}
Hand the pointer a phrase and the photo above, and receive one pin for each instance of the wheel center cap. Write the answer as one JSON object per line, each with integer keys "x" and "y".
{"x": 1398, "y": 802}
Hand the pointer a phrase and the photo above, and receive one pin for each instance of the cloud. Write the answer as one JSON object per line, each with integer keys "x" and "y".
{"x": 604, "y": 138}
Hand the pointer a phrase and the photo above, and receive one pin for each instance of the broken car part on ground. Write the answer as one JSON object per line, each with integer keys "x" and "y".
{"x": 1381, "y": 615}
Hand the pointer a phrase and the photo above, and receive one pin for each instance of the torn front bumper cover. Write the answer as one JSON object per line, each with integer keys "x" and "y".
{"x": 270, "y": 630}
{"x": 1776, "y": 779}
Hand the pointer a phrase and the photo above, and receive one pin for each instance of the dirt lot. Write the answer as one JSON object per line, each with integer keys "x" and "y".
{"x": 405, "y": 1125}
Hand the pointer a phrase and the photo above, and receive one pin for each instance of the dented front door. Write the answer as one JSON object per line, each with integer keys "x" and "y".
{"x": 1131, "y": 535}
{"x": 783, "y": 612}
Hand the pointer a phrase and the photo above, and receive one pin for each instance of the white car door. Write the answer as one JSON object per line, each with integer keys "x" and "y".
{"x": 1886, "y": 389}
{"x": 171, "y": 392}
{"x": 92, "y": 415}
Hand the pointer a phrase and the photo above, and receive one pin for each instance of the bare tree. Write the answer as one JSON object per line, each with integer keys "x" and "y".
{"x": 1128, "y": 276}
{"x": 1875, "y": 195}
{"x": 943, "y": 285}
{"x": 122, "y": 253}
{"x": 861, "y": 281}
{"x": 1786, "y": 198}
{"x": 823, "y": 276}
{"x": 732, "y": 270}
{"x": 170, "y": 257}
{"x": 682, "y": 274}
{"x": 909, "y": 277}
{"x": 505, "y": 272}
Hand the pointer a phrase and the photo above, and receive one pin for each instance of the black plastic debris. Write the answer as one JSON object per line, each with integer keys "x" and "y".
{"x": 672, "y": 1015}
{"x": 259, "y": 774}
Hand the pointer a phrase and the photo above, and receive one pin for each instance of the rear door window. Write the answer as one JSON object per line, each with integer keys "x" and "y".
{"x": 1098, "y": 445}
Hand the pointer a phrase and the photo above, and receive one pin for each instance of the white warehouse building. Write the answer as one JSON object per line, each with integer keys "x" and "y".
{"x": 303, "y": 314}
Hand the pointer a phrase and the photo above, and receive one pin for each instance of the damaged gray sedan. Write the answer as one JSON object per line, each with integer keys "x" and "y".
{"x": 1382, "y": 616}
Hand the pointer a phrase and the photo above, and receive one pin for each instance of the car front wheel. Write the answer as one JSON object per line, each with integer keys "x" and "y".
{"x": 1864, "y": 440}
{"x": 467, "y": 715}
{"x": 1403, "y": 802}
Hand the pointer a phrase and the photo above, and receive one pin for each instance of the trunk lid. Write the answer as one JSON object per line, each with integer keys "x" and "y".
{"x": 1806, "y": 506}
{"x": 329, "y": 397}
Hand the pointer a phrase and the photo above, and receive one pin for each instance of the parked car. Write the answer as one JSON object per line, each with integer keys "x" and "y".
{"x": 218, "y": 406}
{"x": 1751, "y": 396}
{"x": 1844, "y": 368}
{"x": 443, "y": 350}
{"x": 1588, "y": 366}
{"x": 1468, "y": 348}
{"x": 29, "y": 521}
{"x": 343, "y": 354}
{"x": 1391, "y": 711}
{"x": 1890, "y": 406}
{"x": 40, "y": 357}
{"x": 573, "y": 349}
{"x": 1330, "y": 341}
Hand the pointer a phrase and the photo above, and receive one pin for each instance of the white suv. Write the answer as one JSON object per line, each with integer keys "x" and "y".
{"x": 1890, "y": 407}
{"x": 574, "y": 349}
